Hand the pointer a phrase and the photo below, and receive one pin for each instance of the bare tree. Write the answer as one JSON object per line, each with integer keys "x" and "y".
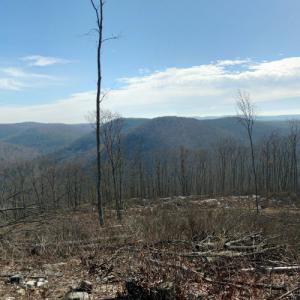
{"x": 183, "y": 176}
{"x": 111, "y": 132}
{"x": 247, "y": 116}
{"x": 293, "y": 141}
{"x": 99, "y": 8}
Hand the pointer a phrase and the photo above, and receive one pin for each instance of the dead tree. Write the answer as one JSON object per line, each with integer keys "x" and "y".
{"x": 247, "y": 115}
{"x": 99, "y": 8}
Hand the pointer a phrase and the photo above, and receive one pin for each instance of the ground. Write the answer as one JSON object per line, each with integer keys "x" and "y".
{"x": 187, "y": 247}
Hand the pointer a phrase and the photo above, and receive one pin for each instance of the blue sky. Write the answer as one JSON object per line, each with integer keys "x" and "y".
{"x": 173, "y": 57}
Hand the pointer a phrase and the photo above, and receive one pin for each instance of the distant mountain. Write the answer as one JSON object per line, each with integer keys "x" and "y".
{"x": 42, "y": 138}
{"x": 147, "y": 136}
{"x": 169, "y": 133}
{"x": 172, "y": 132}
{"x": 166, "y": 133}
{"x": 259, "y": 118}
{"x": 279, "y": 118}
{"x": 84, "y": 147}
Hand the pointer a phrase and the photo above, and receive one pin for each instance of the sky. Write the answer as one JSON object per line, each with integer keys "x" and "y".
{"x": 185, "y": 58}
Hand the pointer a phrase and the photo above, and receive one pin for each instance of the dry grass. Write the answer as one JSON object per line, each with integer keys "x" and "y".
{"x": 74, "y": 244}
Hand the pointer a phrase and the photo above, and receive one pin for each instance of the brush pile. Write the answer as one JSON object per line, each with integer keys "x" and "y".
{"x": 248, "y": 267}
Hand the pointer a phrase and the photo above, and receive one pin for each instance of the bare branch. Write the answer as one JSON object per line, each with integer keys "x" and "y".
{"x": 113, "y": 37}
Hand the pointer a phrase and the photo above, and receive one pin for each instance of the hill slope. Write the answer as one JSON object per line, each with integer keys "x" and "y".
{"x": 10, "y": 153}
{"x": 41, "y": 138}
{"x": 169, "y": 133}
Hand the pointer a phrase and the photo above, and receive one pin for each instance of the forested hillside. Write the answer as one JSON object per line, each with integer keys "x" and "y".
{"x": 153, "y": 157}
{"x": 65, "y": 142}
{"x": 148, "y": 136}
{"x": 29, "y": 140}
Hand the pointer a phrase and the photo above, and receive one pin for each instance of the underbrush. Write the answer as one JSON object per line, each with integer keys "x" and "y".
{"x": 179, "y": 243}
{"x": 190, "y": 222}
{"x": 72, "y": 233}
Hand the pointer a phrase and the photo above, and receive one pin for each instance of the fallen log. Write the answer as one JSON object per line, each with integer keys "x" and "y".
{"x": 221, "y": 254}
{"x": 250, "y": 237}
{"x": 273, "y": 269}
{"x": 3, "y": 210}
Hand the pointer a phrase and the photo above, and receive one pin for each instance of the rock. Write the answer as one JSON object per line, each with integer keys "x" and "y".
{"x": 30, "y": 284}
{"x": 41, "y": 282}
{"x": 15, "y": 279}
{"x": 165, "y": 291}
{"x": 85, "y": 286}
{"x": 109, "y": 278}
{"x": 134, "y": 289}
{"x": 21, "y": 292}
{"x": 81, "y": 292}
{"x": 77, "y": 296}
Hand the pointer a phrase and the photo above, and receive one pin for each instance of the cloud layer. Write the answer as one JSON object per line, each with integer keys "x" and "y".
{"x": 210, "y": 89}
{"x": 201, "y": 90}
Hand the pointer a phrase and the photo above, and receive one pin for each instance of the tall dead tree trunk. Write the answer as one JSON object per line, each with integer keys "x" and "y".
{"x": 98, "y": 8}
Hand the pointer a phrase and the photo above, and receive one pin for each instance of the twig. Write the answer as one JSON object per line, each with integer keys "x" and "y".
{"x": 288, "y": 293}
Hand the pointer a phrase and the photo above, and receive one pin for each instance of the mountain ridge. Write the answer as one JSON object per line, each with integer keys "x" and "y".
{"x": 77, "y": 141}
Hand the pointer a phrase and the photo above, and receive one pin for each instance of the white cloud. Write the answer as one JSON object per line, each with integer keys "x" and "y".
{"x": 16, "y": 79}
{"x": 199, "y": 90}
{"x": 20, "y": 78}
{"x": 10, "y": 84}
{"x": 20, "y": 73}
{"x": 74, "y": 109}
{"x": 286, "y": 67}
{"x": 233, "y": 62}
{"x": 43, "y": 61}
{"x": 208, "y": 89}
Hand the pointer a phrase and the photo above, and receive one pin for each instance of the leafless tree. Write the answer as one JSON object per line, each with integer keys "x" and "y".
{"x": 99, "y": 9}
{"x": 183, "y": 174}
{"x": 111, "y": 132}
{"x": 294, "y": 141}
{"x": 247, "y": 116}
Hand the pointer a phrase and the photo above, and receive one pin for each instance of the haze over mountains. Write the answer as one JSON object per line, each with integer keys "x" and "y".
{"x": 66, "y": 142}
